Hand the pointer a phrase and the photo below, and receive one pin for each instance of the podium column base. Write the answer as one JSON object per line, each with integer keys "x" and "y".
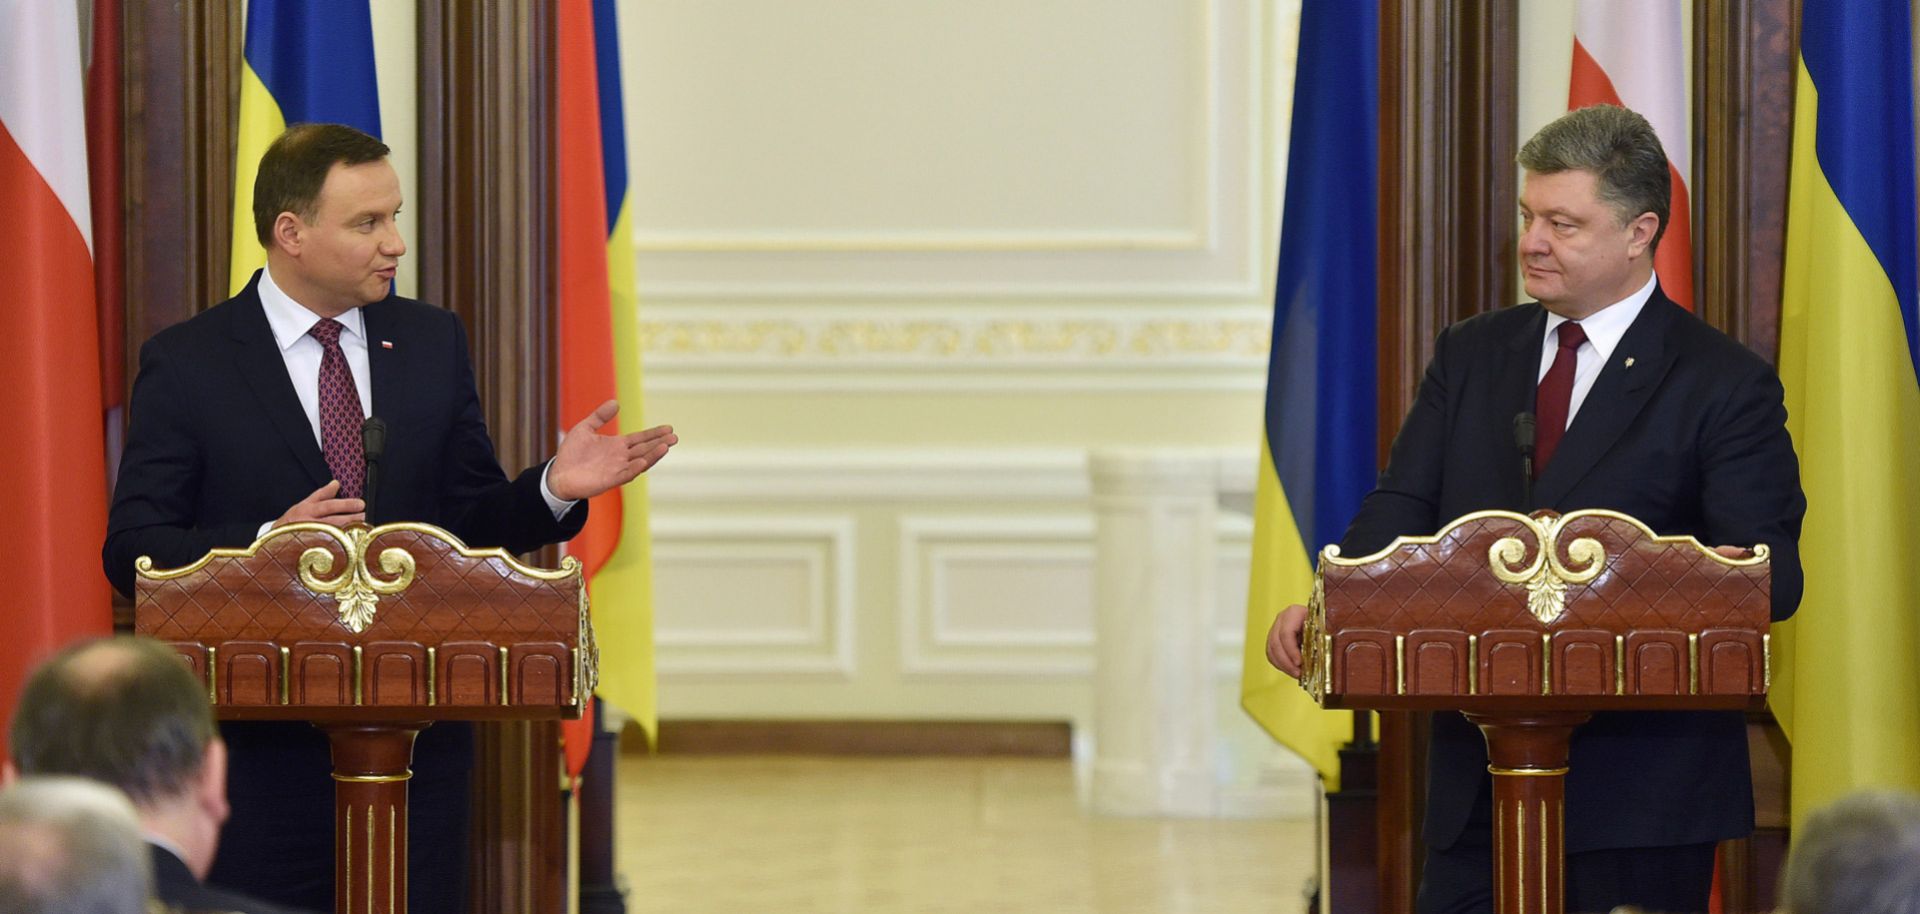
{"x": 370, "y": 772}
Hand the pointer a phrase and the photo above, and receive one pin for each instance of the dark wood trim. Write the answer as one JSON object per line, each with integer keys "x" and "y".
{"x": 485, "y": 251}
{"x": 1743, "y": 121}
{"x": 1029, "y": 739}
{"x": 181, "y": 79}
{"x": 1448, "y": 91}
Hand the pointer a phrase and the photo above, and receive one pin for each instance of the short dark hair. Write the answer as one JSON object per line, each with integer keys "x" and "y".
{"x": 295, "y": 167}
{"x": 123, "y": 710}
{"x": 1621, "y": 150}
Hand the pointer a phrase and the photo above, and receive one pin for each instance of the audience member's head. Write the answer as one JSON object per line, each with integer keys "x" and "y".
{"x": 70, "y": 846}
{"x": 1859, "y": 855}
{"x": 125, "y": 711}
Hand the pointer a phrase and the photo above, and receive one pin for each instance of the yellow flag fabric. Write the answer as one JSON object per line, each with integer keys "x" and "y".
{"x": 625, "y": 582}
{"x": 1847, "y": 667}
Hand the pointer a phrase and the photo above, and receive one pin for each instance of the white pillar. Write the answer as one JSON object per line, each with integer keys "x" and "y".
{"x": 1154, "y": 684}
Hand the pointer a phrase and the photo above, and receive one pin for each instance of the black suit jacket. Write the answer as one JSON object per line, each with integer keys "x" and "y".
{"x": 175, "y": 885}
{"x": 219, "y": 445}
{"x": 1691, "y": 438}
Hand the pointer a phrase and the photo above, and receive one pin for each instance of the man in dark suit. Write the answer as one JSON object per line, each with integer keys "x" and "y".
{"x": 1641, "y": 408}
{"x": 125, "y": 712}
{"x": 248, "y": 416}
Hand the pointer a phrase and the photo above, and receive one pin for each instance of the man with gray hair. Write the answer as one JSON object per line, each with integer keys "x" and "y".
{"x": 70, "y": 846}
{"x": 1859, "y": 855}
{"x": 1637, "y": 406}
{"x": 126, "y": 712}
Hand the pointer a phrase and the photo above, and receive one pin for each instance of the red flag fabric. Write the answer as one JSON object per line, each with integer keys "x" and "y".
{"x": 585, "y": 317}
{"x": 1628, "y": 53}
{"x": 52, "y": 459}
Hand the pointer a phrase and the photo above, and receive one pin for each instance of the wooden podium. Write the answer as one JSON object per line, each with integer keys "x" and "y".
{"x": 372, "y": 634}
{"x": 1529, "y": 625}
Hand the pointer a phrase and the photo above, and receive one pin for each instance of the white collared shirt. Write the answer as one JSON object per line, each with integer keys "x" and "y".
{"x": 291, "y": 322}
{"x": 1604, "y": 329}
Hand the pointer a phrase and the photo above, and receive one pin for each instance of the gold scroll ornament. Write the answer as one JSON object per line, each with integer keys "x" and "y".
{"x": 357, "y": 589}
{"x": 1546, "y": 577}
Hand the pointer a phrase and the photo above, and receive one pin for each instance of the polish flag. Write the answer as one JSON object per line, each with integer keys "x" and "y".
{"x": 1628, "y": 53}
{"x": 53, "y": 477}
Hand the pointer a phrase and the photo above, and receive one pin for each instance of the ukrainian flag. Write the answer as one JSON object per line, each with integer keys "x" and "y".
{"x": 1319, "y": 456}
{"x": 600, "y": 341}
{"x": 304, "y": 62}
{"x": 1846, "y": 683}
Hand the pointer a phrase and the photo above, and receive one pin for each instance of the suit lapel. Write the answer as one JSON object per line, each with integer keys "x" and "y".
{"x": 1618, "y": 395}
{"x": 1519, "y": 373}
{"x": 257, "y": 355}
{"x": 388, "y": 376}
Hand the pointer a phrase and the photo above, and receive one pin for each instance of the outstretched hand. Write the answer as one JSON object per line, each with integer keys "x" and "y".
{"x": 589, "y": 463}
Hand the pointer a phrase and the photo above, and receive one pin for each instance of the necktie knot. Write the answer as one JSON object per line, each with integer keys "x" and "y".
{"x": 1571, "y": 335}
{"x": 327, "y": 331}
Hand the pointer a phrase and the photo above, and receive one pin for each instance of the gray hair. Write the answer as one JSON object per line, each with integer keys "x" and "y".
{"x": 1858, "y": 855}
{"x": 71, "y": 846}
{"x": 1619, "y": 148}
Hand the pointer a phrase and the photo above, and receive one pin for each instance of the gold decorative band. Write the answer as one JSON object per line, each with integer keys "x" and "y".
{"x": 372, "y": 778}
{"x": 1525, "y": 772}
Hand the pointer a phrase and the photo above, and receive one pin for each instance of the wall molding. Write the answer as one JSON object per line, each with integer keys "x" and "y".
{"x": 705, "y": 476}
{"x": 1013, "y": 349}
{"x": 823, "y": 544}
{"x": 929, "y": 641}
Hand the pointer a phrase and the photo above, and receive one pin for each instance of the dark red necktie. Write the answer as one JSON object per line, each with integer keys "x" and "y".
{"x": 1553, "y": 397}
{"x": 340, "y": 415}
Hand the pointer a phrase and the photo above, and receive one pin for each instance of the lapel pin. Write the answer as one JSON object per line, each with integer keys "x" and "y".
{"x": 1629, "y": 358}
{"x": 388, "y": 344}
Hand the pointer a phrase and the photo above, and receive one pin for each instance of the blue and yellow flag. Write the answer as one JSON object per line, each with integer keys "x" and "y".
{"x": 1319, "y": 456}
{"x": 1846, "y": 684}
{"x": 623, "y": 588}
{"x": 303, "y": 63}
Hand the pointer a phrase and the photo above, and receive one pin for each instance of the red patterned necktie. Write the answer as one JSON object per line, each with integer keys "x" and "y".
{"x": 1553, "y": 397}
{"x": 340, "y": 415}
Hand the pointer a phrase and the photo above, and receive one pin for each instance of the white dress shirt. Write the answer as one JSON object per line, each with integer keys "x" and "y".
{"x": 291, "y": 320}
{"x": 1604, "y": 329}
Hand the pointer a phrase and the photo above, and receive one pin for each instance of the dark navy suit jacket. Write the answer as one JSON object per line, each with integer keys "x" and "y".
{"x": 218, "y": 445}
{"x": 1691, "y": 439}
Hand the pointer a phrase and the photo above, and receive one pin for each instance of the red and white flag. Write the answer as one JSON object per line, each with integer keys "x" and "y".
{"x": 1628, "y": 53}
{"x": 53, "y": 480}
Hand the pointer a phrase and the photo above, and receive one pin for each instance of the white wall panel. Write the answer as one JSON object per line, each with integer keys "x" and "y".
{"x": 754, "y": 594}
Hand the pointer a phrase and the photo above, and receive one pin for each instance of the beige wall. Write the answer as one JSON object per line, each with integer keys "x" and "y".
{"x": 902, "y": 266}
{"x": 396, "y": 29}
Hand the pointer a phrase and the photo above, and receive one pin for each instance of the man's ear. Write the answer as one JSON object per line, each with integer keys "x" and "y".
{"x": 1640, "y": 233}
{"x": 210, "y": 790}
{"x": 8, "y": 773}
{"x": 288, "y": 232}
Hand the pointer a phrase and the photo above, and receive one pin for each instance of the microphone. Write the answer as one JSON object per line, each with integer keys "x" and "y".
{"x": 1523, "y": 439}
{"x": 373, "y": 443}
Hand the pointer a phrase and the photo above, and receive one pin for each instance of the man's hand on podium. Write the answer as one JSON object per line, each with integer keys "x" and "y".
{"x": 323, "y": 507}
{"x": 1283, "y": 640}
{"x": 589, "y": 463}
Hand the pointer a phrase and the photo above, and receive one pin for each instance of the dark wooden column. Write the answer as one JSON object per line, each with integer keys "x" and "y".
{"x": 1743, "y": 124}
{"x": 1447, "y": 124}
{"x": 485, "y": 251}
{"x": 182, "y": 77}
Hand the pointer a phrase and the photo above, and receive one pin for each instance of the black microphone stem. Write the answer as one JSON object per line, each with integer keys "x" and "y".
{"x": 373, "y": 443}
